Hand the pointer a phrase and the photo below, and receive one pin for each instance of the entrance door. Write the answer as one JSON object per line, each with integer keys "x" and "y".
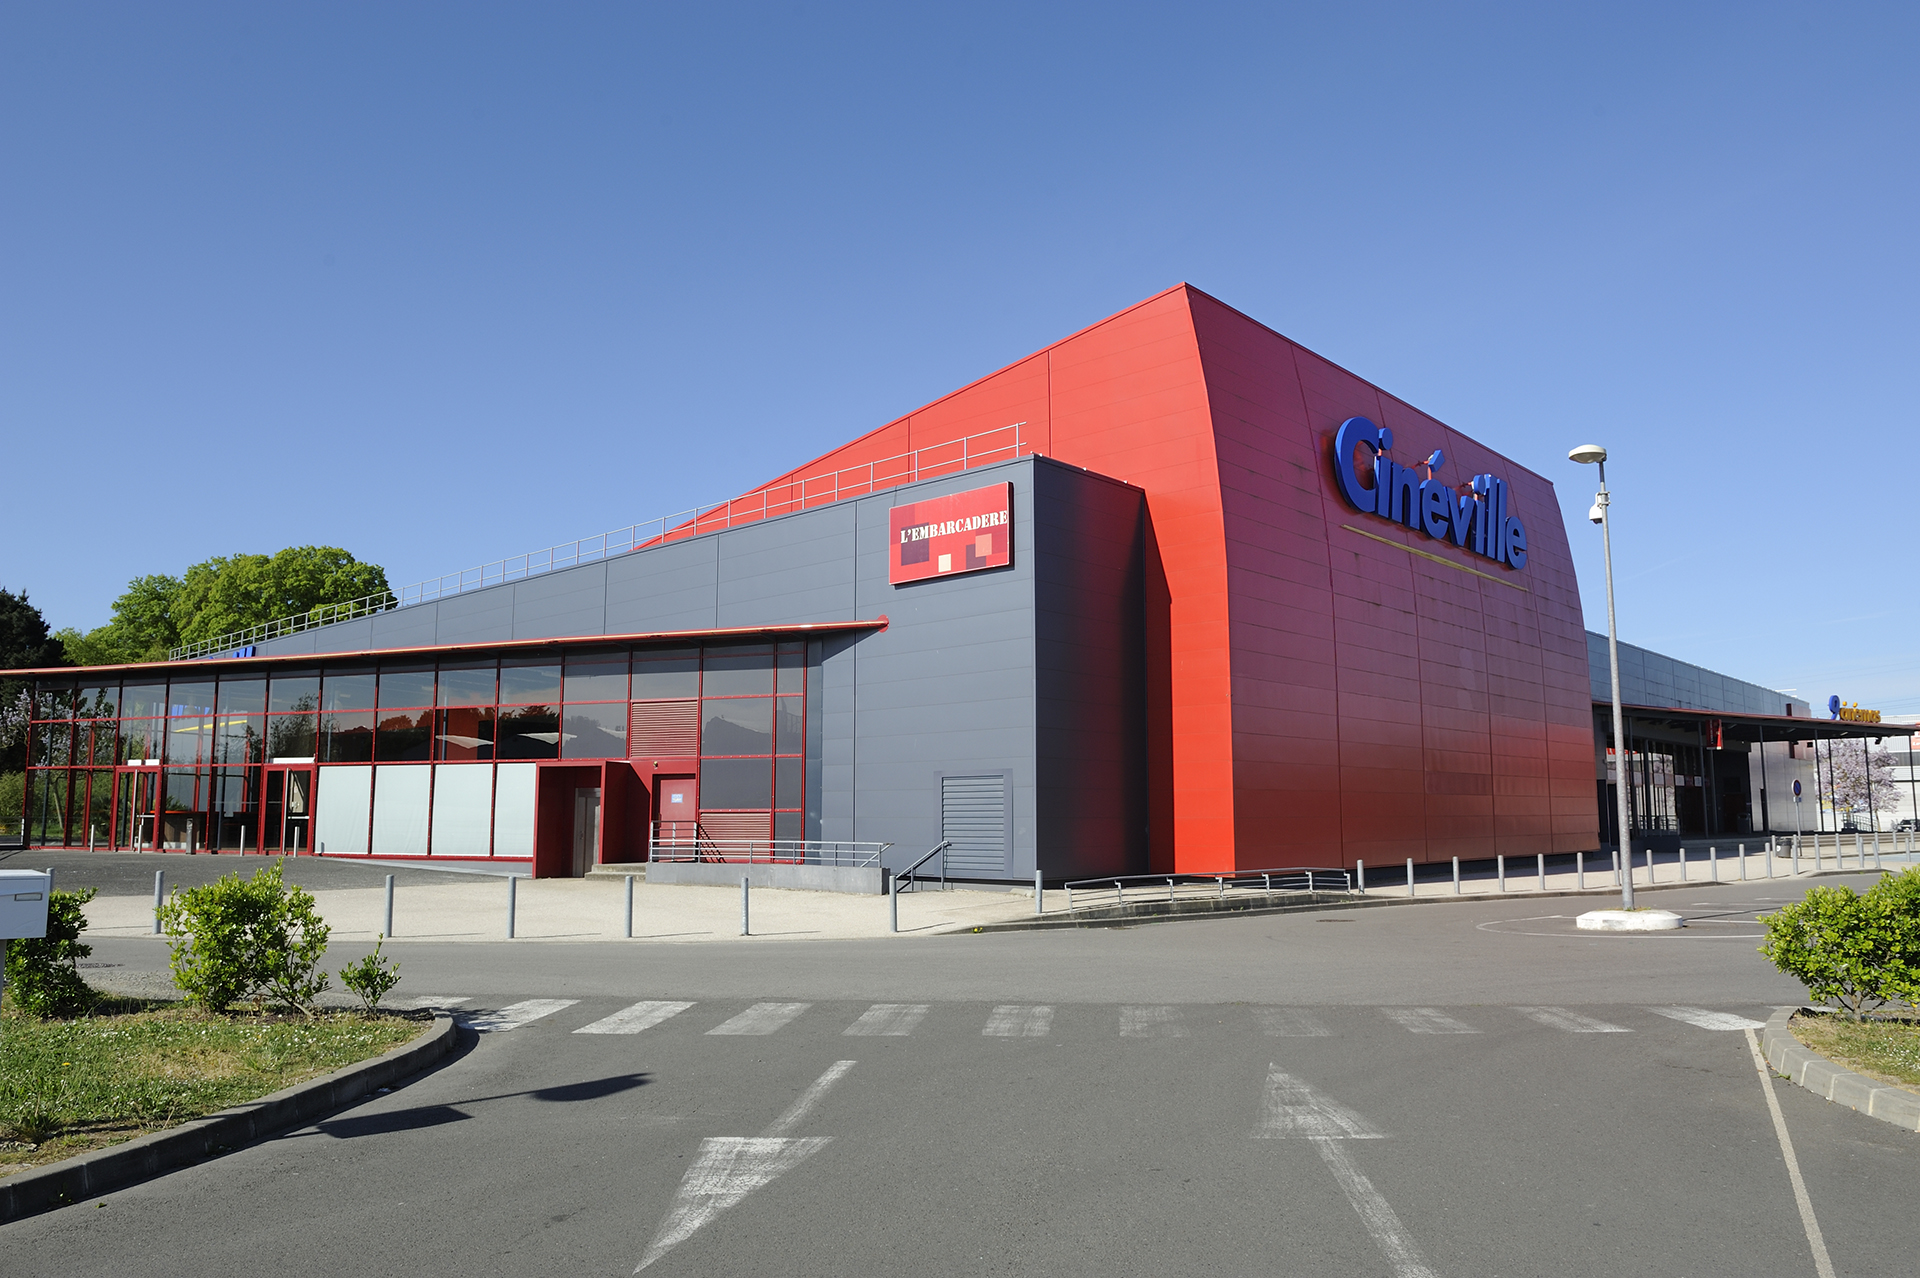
{"x": 586, "y": 828}
{"x": 676, "y": 809}
{"x": 286, "y": 818}
{"x": 136, "y": 802}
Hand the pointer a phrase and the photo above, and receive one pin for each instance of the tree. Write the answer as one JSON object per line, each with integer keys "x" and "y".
{"x": 1850, "y": 767}
{"x": 25, "y": 642}
{"x": 219, "y": 596}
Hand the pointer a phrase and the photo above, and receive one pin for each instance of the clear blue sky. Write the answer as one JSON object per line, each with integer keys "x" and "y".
{"x": 441, "y": 283}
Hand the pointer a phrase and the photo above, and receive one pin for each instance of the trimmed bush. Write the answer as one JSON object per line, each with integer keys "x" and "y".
{"x": 1860, "y": 952}
{"x": 43, "y": 973}
{"x": 257, "y": 939}
{"x": 372, "y": 977}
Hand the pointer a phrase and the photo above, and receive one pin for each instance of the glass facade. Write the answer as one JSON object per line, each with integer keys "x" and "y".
{"x": 413, "y": 758}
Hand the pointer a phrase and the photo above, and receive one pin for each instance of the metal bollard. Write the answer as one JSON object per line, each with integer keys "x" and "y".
{"x": 1713, "y": 863}
{"x": 1683, "y": 864}
{"x": 159, "y": 897}
{"x": 1409, "y": 876}
{"x": 1859, "y": 854}
{"x": 513, "y": 900}
{"x": 1221, "y": 883}
{"x": 1456, "y": 876}
{"x": 1039, "y": 893}
{"x": 1309, "y": 880}
{"x": 1580, "y": 871}
{"x": 743, "y": 908}
{"x": 1500, "y": 863}
{"x": 1540, "y": 863}
{"x": 629, "y": 907}
{"x": 1360, "y": 872}
{"x": 1876, "y": 849}
{"x": 893, "y": 903}
{"x": 389, "y": 931}
{"x": 1265, "y": 878}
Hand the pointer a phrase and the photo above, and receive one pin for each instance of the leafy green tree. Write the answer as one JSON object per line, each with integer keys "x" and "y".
{"x": 219, "y": 596}
{"x": 1861, "y": 952}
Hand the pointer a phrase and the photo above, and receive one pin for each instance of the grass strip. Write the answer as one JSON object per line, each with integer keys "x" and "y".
{"x": 134, "y": 1066}
{"x": 1887, "y": 1050}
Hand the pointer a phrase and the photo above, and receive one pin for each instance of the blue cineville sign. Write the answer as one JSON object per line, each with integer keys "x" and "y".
{"x": 1410, "y": 495}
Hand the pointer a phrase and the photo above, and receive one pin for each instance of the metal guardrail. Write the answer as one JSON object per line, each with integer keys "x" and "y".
{"x": 1003, "y": 443}
{"x": 679, "y": 843}
{"x": 1194, "y": 886}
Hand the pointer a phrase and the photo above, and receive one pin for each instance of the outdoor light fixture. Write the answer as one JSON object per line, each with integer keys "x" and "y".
{"x": 1594, "y": 455}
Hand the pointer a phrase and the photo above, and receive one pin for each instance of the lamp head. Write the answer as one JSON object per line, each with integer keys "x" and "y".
{"x": 1588, "y": 454}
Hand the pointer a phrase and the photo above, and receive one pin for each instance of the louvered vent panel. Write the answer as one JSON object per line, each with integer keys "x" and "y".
{"x": 664, "y": 729}
{"x": 726, "y": 826}
{"x": 973, "y": 813}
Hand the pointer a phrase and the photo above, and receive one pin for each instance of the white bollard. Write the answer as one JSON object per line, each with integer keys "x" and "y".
{"x": 1540, "y": 863}
{"x": 513, "y": 901}
{"x": 1683, "y": 864}
{"x": 1713, "y": 863}
{"x": 389, "y": 931}
{"x": 1409, "y": 876}
{"x": 1360, "y": 872}
{"x": 159, "y": 897}
{"x": 629, "y": 907}
{"x": 1859, "y": 854}
{"x": 1500, "y": 863}
{"x": 1456, "y": 876}
{"x": 1580, "y": 871}
{"x": 743, "y": 907}
{"x": 1039, "y": 893}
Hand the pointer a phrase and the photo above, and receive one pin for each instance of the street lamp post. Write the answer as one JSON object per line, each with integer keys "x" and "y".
{"x": 1594, "y": 455}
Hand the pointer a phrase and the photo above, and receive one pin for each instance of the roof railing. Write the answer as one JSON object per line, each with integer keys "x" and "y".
{"x": 784, "y": 497}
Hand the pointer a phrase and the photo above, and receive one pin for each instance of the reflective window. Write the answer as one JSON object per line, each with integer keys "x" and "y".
{"x": 347, "y": 738}
{"x": 529, "y": 684}
{"x": 792, "y": 668}
{"x": 528, "y": 732}
{"x": 736, "y": 784}
{"x": 467, "y": 685}
{"x": 595, "y": 731}
{"x": 347, "y": 690}
{"x": 737, "y": 725}
{"x": 789, "y": 825}
{"x": 53, "y": 700}
{"x": 97, "y": 702}
{"x": 787, "y": 782}
{"x": 243, "y": 696}
{"x": 669, "y": 679}
{"x": 402, "y": 735}
{"x": 190, "y": 697}
{"x": 239, "y": 738}
{"x": 790, "y": 722}
{"x": 403, "y": 687}
{"x": 733, "y": 673}
{"x": 190, "y": 741}
{"x": 597, "y": 677}
{"x": 143, "y": 701}
{"x": 464, "y": 734}
{"x": 105, "y": 742}
{"x": 140, "y": 740}
{"x": 293, "y": 692}
{"x": 290, "y": 736}
{"x": 52, "y": 744}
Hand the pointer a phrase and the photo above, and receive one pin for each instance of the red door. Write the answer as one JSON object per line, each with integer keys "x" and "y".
{"x": 676, "y": 811}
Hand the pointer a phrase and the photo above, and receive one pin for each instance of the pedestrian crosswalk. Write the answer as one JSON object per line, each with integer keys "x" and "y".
{"x": 1127, "y": 1021}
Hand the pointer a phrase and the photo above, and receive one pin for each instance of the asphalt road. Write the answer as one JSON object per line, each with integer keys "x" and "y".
{"x": 1436, "y": 1089}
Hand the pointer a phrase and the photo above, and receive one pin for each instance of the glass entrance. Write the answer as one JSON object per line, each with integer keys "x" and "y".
{"x": 286, "y": 818}
{"x": 136, "y": 803}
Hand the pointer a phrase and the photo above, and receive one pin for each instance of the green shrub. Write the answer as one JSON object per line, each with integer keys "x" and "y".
{"x": 258, "y": 939}
{"x": 372, "y": 977}
{"x": 43, "y": 972}
{"x": 1860, "y": 952}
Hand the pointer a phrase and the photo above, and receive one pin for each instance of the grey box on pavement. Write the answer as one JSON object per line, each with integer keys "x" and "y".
{"x": 23, "y": 904}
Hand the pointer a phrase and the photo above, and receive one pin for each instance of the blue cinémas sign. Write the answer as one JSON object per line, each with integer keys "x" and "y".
{"x": 1476, "y": 517}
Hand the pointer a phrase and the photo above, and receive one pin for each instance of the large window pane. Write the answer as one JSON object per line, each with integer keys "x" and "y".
{"x": 467, "y": 685}
{"x": 99, "y": 809}
{"x": 53, "y": 699}
{"x": 240, "y": 738}
{"x": 190, "y": 696}
{"x": 528, "y": 732}
{"x": 529, "y": 684}
{"x": 143, "y": 701}
{"x": 400, "y": 811}
{"x": 666, "y": 680}
{"x": 290, "y": 737}
{"x": 52, "y": 744}
{"x": 243, "y": 696}
{"x": 94, "y": 741}
{"x": 347, "y": 738}
{"x": 788, "y": 776}
{"x": 597, "y": 676}
{"x": 595, "y": 731}
{"x": 462, "y": 809}
{"x": 792, "y": 673}
{"x": 97, "y": 702}
{"x": 513, "y": 792}
{"x": 342, "y": 798}
{"x": 729, "y": 675}
{"x": 49, "y": 809}
{"x": 404, "y": 734}
{"x": 347, "y": 690}
{"x": 790, "y": 723}
{"x": 742, "y": 725}
{"x": 294, "y": 692}
{"x": 464, "y": 734}
{"x": 736, "y": 783}
{"x": 190, "y": 741}
{"x": 140, "y": 740}
{"x": 405, "y": 686}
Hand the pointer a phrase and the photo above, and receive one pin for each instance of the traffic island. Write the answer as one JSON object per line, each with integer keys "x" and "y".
{"x": 1629, "y": 921}
{"x": 90, "y": 1084}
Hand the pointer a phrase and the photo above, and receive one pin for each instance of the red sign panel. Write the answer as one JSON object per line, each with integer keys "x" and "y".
{"x": 945, "y": 535}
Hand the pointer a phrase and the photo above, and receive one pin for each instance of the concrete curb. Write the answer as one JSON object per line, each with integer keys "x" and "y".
{"x": 1300, "y": 903}
{"x": 105, "y": 1170}
{"x": 1788, "y": 1057}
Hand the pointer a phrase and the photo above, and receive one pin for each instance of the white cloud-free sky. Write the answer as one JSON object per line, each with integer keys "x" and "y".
{"x": 441, "y": 283}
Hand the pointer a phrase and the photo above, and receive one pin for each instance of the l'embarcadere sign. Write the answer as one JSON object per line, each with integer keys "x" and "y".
{"x": 941, "y": 536}
{"x": 1473, "y": 515}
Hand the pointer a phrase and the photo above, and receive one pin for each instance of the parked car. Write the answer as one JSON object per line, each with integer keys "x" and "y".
{"x": 1904, "y": 824}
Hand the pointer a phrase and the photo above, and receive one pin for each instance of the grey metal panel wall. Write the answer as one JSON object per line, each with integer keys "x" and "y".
{"x": 556, "y": 604}
{"x": 1090, "y": 662}
{"x": 1649, "y": 678}
{"x": 670, "y": 587}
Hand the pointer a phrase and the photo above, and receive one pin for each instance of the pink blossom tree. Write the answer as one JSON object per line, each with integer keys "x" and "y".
{"x": 1861, "y": 778}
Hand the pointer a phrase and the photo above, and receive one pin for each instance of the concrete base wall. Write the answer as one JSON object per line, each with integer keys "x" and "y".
{"x": 864, "y": 880}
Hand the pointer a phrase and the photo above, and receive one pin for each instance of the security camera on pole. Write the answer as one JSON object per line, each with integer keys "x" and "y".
{"x": 1617, "y": 920}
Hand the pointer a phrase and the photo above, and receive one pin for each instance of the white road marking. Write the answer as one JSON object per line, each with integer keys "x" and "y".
{"x": 518, "y": 1014}
{"x": 808, "y": 1099}
{"x": 1016, "y": 1020}
{"x": 888, "y": 1020}
{"x": 1291, "y": 1110}
{"x": 414, "y": 1002}
{"x": 1708, "y": 1020}
{"x": 731, "y": 1167}
{"x": 1572, "y": 1022}
{"x": 726, "y": 1171}
{"x": 1151, "y": 1021}
{"x": 1389, "y": 1235}
{"x": 1426, "y": 1020}
{"x": 631, "y": 1020}
{"x": 1289, "y": 1022}
{"x": 1822, "y": 1263}
{"x": 761, "y": 1018}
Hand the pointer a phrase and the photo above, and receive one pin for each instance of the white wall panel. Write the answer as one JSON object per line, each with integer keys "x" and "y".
{"x": 513, "y": 810}
{"x": 462, "y": 808}
{"x": 400, "y": 810}
{"x": 340, "y": 801}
